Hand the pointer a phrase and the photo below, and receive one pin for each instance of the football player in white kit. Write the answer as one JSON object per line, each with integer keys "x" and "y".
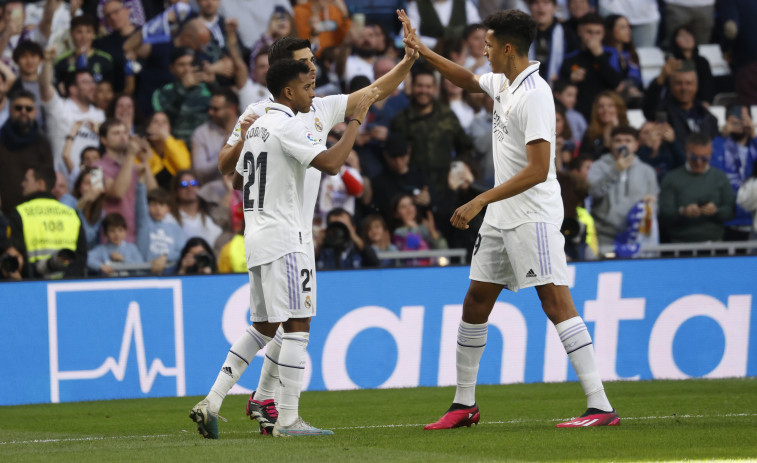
{"x": 278, "y": 150}
{"x": 519, "y": 244}
{"x": 323, "y": 115}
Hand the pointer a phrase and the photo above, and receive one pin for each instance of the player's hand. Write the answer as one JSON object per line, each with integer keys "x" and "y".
{"x": 466, "y": 213}
{"x": 247, "y": 123}
{"x": 370, "y": 97}
{"x": 411, "y": 40}
{"x": 709, "y": 209}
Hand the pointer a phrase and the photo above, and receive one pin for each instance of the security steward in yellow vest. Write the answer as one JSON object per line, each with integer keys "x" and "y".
{"x": 41, "y": 227}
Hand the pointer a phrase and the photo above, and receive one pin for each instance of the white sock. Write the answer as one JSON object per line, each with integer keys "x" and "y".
{"x": 577, "y": 342}
{"x": 471, "y": 340}
{"x": 239, "y": 357}
{"x": 291, "y": 368}
{"x": 269, "y": 374}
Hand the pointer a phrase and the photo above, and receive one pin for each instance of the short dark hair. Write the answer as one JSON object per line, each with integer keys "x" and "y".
{"x": 45, "y": 174}
{"x": 158, "y": 195}
{"x": 23, "y": 93}
{"x": 591, "y": 18}
{"x": 561, "y": 84}
{"x": 338, "y": 211}
{"x": 281, "y": 73}
{"x": 421, "y": 68}
{"x": 358, "y": 83}
{"x": 114, "y": 219}
{"x": 514, "y": 27}
{"x": 625, "y": 130}
{"x": 578, "y": 161}
{"x": 230, "y": 96}
{"x": 71, "y": 77}
{"x": 285, "y": 47}
{"x": 27, "y": 47}
{"x": 180, "y": 52}
{"x": 83, "y": 20}
{"x": 107, "y": 125}
{"x": 531, "y": 2}
{"x": 698, "y": 139}
{"x": 471, "y": 28}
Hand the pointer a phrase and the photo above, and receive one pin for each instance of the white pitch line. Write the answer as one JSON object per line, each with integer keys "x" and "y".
{"x": 378, "y": 426}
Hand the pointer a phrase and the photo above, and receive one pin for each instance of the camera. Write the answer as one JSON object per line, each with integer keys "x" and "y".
{"x": 9, "y": 263}
{"x": 203, "y": 260}
{"x": 56, "y": 264}
{"x": 337, "y": 237}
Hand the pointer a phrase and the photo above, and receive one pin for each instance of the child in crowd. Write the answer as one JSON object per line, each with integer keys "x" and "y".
{"x": 158, "y": 240}
{"x": 376, "y": 233}
{"x": 412, "y": 232}
{"x": 116, "y": 250}
{"x": 567, "y": 93}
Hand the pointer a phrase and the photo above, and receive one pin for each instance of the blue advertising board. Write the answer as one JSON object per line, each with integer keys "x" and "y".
{"x": 153, "y": 337}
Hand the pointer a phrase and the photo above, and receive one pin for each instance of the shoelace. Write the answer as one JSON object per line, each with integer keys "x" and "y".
{"x": 271, "y": 410}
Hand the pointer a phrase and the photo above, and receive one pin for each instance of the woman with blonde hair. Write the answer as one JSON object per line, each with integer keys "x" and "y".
{"x": 608, "y": 112}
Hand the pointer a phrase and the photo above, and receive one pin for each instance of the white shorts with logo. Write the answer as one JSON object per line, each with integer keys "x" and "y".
{"x": 283, "y": 289}
{"x": 531, "y": 254}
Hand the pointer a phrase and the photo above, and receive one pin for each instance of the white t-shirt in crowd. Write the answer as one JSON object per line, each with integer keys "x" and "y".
{"x": 524, "y": 111}
{"x": 324, "y": 114}
{"x": 277, "y": 151}
{"x": 61, "y": 114}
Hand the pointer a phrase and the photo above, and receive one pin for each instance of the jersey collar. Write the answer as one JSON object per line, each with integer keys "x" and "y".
{"x": 532, "y": 68}
{"x": 272, "y": 106}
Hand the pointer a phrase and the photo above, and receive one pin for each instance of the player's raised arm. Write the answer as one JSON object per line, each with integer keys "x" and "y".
{"x": 332, "y": 159}
{"x": 453, "y": 72}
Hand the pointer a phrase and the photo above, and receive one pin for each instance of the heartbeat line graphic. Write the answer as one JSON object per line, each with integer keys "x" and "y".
{"x": 132, "y": 333}
{"x": 132, "y": 329}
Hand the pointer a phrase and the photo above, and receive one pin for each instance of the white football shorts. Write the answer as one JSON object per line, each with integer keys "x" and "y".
{"x": 531, "y": 254}
{"x": 283, "y": 289}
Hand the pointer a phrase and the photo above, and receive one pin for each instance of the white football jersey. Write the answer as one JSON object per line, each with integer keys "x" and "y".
{"x": 524, "y": 111}
{"x": 324, "y": 114}
{"x": 277, "y": 151}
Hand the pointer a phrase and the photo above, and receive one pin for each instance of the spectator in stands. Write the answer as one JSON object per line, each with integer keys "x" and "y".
{"x": 189, "y": 210}
{"x": 438, "y": 19}
{"x": 11, "y": 260}
{"x": 342, "y": 246}
{"x": 7, "y": 79}
{"x": 617, "y": 182}
{"x": 21, "y": 147}
{"x": 643, "y": 16}
{"x": 124, "y": 108}
{"x": 578, "y": 225}
{"x": 88, "y": 156}
{"x": 576, "y": 10}
{"x": 623, "y": 59}
{"x": 90, "y": 195}
{"x": 376, "y": 233}
{"x": 168, "y": 154}
{"x": 60, "y": 191}
{"x": 280, "y": 24}
{"x": 412, "y": 231}
{"x": 50, "y": 252}
{"x": 341, "y": 190}
{"x": 608, "y": 112}
{"x": 13, "y": 30}
{"x": 135, "y": 8}
{"x": 552, "y": 40}
{"x": 685, "y": 47}
{"x": 433, "y": 131}
{"x": 255, "y": 16}
{"x": 460, "y": 102}
{"x": 735, "y": 153}
{"x": 696, "y": 199}
{"x": 254, "y": 88}
{"x": 159, "y": 239}
{"x": 62, "y": 113}
{"x": 116, "y": 249}
{"x": 461, "y": 188}
{"x": 209, "y": 138}
{"x": 589, "y": 68}
{"x": 186, "y": 100}
{"x": 683, "y": 111}
{"x": 324, "y": 22}
{"x": 196, "y": 258}
{"x": 120, "y": 172}
{"x": 565, "y": 147}
{"x": 747, "y": 200}
{"x": 28, "y": 56}
{"x": 481, "y": 137}
{"x": 741, "y": 45}
{"x": 399, "y": 177}
{"x": 103, "y": 95}
{"x": 566, "y": 93}
{"x": 699, "y": 15}
{"x": 224, "y": 205}
{"x": 84, "y": 55}
{"x": 474, "y": 37}
{"x": 658, "y": 148}
{"x": 118, "y": 17}
{"x": 219, "y": 27}
{"x": 364, "y": 52}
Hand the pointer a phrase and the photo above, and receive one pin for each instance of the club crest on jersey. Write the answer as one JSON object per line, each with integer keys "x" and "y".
{"x": 311, "y": 138}
{"x": 308, "y": 304}
{"x": 318, "y": 125}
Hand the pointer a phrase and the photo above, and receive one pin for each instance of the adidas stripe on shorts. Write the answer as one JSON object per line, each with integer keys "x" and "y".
{"x": 283, "y": 289}
{"x": 530, "y": 254}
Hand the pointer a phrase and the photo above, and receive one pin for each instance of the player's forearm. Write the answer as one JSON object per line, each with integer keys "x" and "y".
{"x": 332, "y": 160}
{"x": 452, "y": 71}
{"x": 391, "y": 80}
{"x": 228, "y": 157}
{"x": 527, "y": 178}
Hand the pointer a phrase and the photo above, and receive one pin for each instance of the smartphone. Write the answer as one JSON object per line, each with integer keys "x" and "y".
{"x": 661, "y": 117}
{"x": 735, "y": 111}
{"x": 96, "y": 178}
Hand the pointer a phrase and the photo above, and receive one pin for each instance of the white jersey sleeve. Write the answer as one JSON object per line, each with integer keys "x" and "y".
{"x": 539, "y": 122}
{"x": 487, "y": 83}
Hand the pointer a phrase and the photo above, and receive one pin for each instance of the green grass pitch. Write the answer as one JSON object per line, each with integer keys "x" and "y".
{"x": 660, "y": 421}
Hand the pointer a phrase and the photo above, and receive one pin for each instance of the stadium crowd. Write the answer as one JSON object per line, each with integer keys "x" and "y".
{"x": 113, "y": 113}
